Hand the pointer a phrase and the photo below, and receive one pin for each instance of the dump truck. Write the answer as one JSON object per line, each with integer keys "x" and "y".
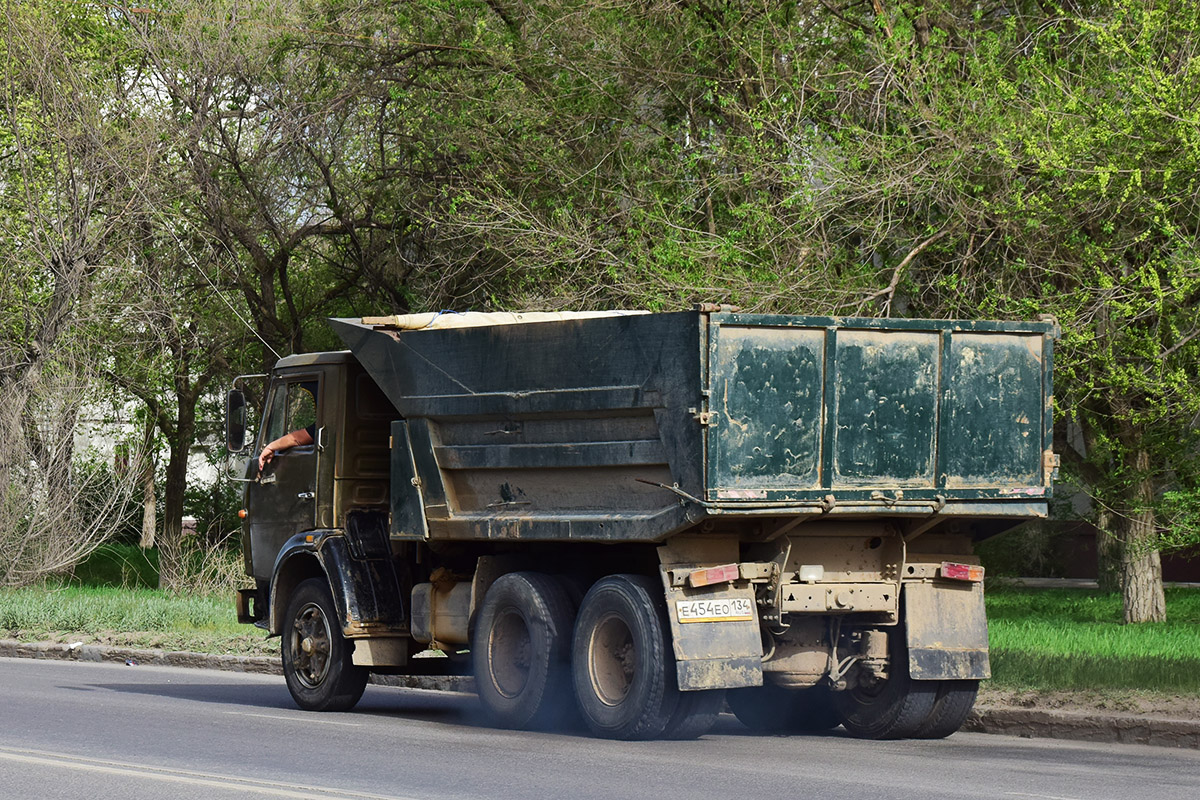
{"x": 634, "y": 519}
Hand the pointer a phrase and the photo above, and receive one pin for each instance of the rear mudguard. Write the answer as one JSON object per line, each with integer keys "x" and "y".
{"x": 364, "y": 584}
{"x": 946, "y": 628}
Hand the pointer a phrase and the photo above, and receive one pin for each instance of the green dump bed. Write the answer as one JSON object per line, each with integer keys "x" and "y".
{"x": 631, "y": 428}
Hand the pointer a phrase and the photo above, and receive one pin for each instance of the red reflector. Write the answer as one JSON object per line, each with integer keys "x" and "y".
{"x": 962, "y": 572}
{"x": 707, "y": 577}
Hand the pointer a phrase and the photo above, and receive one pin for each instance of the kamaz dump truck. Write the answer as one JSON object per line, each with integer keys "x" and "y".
{"x": 635, "y": 518}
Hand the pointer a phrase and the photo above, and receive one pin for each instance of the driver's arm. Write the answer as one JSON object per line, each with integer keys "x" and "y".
{"x": 297, "y": 438}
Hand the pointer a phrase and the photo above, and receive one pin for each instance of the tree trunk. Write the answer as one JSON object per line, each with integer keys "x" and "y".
{"x": 1141, "y": 572}
{"x": 1141, "y": 567}
{"x": 171, "y": 548}
{"x": 149, "y": 508}
{"x": 149, "y": 501}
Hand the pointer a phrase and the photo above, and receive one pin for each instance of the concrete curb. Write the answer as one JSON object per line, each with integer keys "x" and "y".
{"x": 1024, "y": 722}
{"x": 162, "y": 658}
{"x": 1085, "y": 726}
{"x": 266, "y": 665}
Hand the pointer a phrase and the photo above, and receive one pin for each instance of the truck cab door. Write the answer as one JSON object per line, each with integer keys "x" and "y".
{"x": 282, "y": 501}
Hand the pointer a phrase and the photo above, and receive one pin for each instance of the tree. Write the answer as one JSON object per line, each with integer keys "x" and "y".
{"x": 1026, "y": 161}
{"x": 71, "y": 161}
{"x": 171, "y": 342}
{"x": 282, "y": 158}
{"x": 573, "y": 154}
{"x": 936, "y": 160}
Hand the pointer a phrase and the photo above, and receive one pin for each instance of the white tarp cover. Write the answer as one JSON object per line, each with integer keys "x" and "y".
{"x": 476, "y": 319}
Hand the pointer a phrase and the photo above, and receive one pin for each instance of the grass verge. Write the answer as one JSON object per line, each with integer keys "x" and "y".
{"x": 1072, "y": 639}
{"x": 137, "y": 618}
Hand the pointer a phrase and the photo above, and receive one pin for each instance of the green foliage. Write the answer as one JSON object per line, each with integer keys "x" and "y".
{"x": 1027, "y": 160}
{"x": 118, "y": 566}
{"x": 1181, "y": 510}
{"x": 936, "y": 159}
{"x": 214, "y": 507}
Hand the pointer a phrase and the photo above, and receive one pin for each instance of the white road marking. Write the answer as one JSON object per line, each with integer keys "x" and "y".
{"x": 191, "y": 778}
{"x": 305, "y": 718}
{"x": 1039, "y": 796}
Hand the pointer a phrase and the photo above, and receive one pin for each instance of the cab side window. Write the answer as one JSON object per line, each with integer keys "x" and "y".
{"x": 301, "y": 406}
{"x": 275, "y": 415}
{"x": 293, "y": 406}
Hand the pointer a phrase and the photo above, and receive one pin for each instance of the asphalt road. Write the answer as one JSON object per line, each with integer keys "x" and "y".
{"x": 75, "y": 730}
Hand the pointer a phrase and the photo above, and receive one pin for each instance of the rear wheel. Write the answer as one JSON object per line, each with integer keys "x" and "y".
{"x": 695, "y": 713}
{"x": 522, "y": 651}
{"x": 620, "y": 659}
{"x": 317, "y": 661}
{"x": 774, "y": 709}
{"x": 955, "y": 699}
{"x": 894, "y": 708}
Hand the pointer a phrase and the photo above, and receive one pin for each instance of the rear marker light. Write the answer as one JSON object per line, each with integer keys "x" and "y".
{"x": 707, "y": 577}
{"x": 962, "y": 572}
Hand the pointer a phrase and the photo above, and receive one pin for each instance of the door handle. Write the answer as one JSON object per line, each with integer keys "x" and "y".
{"x": 306, "y": 495}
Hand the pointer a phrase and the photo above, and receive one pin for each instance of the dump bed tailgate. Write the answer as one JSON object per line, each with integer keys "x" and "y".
{"x": 804, "y": 408}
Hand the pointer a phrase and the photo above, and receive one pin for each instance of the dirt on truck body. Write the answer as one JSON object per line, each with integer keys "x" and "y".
{"x": 635, "y": 518}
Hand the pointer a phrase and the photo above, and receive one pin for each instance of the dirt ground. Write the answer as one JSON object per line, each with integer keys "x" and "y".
{"x": 1113, "y": 701}
{"x": 252, "y": 643}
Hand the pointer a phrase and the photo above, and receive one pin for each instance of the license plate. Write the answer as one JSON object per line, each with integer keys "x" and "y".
{"x": 726, "y": 609}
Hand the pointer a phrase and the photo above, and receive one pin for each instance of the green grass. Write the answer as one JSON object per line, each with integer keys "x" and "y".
{"x": 111, "y": 599}
{"x": 1066, "y": 639}
{"x": 137, "y": 618}
{"x": 124, "y": 565}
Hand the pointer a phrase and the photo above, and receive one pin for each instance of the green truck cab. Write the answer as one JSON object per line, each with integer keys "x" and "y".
{"x": 639, "y": 517}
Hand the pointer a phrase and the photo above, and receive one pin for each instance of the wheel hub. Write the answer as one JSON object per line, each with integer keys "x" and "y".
{"x": 612, "y": 660}
{"x": 311, "y": 643}
{"x": 510, "y": 657}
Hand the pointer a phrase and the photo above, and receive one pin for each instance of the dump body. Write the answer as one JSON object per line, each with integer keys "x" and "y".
{"x": 633, "y": 428}
{"x": 631, "y": 513}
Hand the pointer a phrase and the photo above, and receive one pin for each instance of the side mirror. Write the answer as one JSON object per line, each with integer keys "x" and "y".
{"x": 235, "y": 421}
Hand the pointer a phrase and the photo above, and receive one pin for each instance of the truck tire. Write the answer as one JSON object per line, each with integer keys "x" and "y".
{"x": 955, "y": 699}
{"x": 695, "y": 714}
{"x": 890, "y": 709}
{"x": 771, "y": 708}
{"x": 624, "y": 675}
{"x": 522, "y": 651}
{"x": 317, "y": 660}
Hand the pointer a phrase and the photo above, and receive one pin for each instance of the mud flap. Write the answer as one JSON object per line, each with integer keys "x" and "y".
{"x": 363, "y": 582}
{"x": 365, "y": 590}
{"x": 714, "y": 631}
{"x": 947, "y": 631}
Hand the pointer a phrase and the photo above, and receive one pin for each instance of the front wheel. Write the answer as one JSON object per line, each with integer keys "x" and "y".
{"x": 317, "y": 660}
